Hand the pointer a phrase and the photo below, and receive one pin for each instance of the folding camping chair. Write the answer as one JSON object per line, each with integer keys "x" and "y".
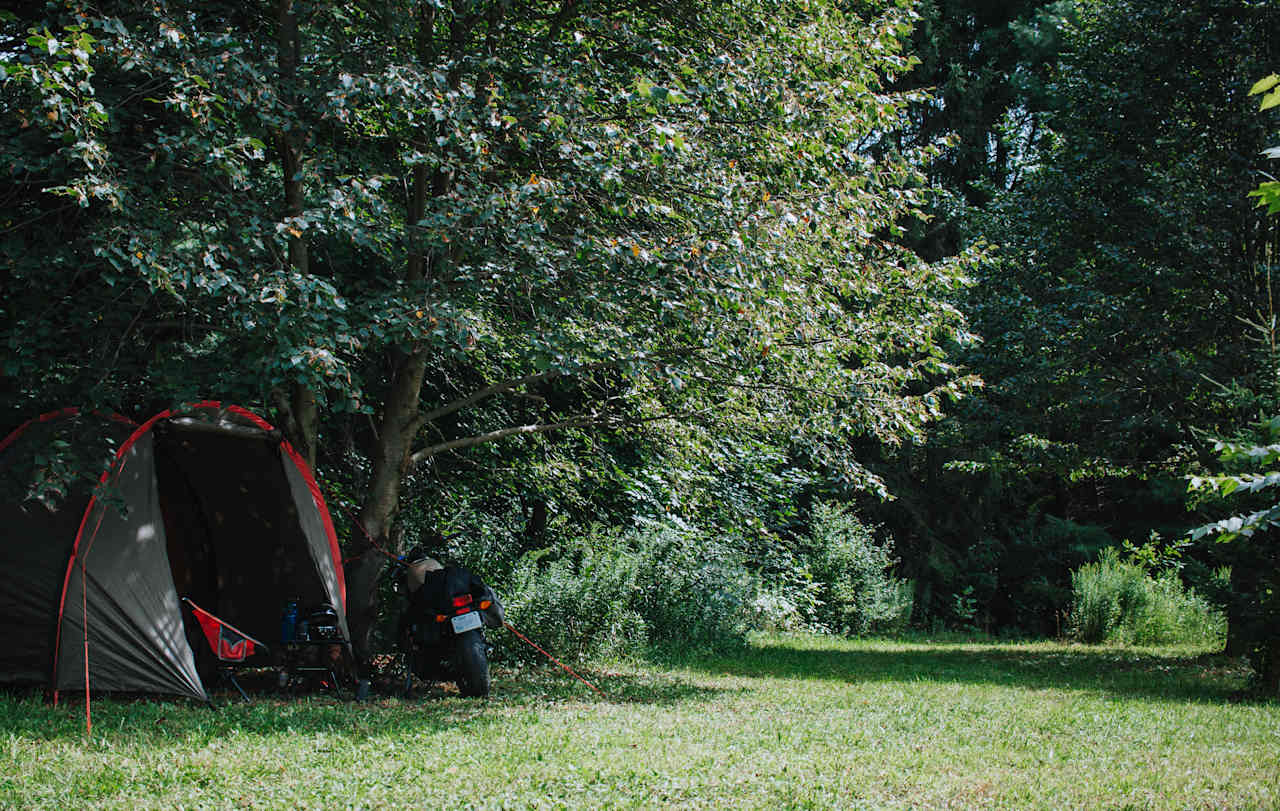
{"x": 229, "y": 644}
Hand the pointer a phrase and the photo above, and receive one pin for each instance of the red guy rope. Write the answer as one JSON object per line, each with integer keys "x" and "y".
{"x": 568, "y": 669}
{"x": 84, "y": 600}
{"x": 365, "y": 532}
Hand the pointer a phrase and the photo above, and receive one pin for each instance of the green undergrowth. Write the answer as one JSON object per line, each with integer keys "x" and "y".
{"x": 790, "y": 722}
{"x": 1116, "y": 600}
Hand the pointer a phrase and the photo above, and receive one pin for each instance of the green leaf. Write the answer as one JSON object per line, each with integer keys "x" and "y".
{"x": 1270, "y": 100}
{"x": 1268, "y": 195}
{"x": 1264, "y": 84}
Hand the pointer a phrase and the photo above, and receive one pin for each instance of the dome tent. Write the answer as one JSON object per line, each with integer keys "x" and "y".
{"x": 208, "y": 503}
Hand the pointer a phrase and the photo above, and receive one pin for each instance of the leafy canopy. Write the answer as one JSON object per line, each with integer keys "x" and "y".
{"x": 674, "y": 201}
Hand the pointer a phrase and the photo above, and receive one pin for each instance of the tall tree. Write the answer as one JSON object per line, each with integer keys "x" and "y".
{"x": 986, "y": 66}
{"x": 669, "y": 208}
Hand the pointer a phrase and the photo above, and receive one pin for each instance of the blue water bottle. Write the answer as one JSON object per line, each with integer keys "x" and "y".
{"x": 289, "y": 621}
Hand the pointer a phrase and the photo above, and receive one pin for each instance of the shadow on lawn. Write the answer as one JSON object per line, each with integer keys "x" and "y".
{"x": 433, "y": 709}
{"x": 1122, "y": 672}
{"x": 551, "y": 684}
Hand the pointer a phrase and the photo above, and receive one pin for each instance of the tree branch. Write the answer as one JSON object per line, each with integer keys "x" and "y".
{"x": 508, "y": 385}
{"x": 479, "y": 439}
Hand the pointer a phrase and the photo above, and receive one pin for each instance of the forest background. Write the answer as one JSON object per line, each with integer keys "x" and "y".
{"x": 681, "y": 318}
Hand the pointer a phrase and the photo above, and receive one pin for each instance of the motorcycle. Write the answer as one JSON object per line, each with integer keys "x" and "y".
{"x": 442, "y": 629}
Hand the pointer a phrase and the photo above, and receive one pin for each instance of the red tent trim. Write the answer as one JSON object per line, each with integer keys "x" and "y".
{"x": 69, "y": 411}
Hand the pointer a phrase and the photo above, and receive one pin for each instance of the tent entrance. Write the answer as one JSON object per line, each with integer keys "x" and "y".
{"x": 235, "y": 540}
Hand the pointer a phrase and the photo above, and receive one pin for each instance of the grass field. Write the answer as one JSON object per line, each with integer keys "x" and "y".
{"x": 794, "y": 722}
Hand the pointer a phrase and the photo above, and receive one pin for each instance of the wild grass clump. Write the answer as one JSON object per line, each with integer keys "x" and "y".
{"x": 1121, "y": 601}
{"x": 617, "y": 594}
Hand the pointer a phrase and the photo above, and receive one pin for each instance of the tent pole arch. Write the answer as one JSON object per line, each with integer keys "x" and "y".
{"x": 69, "y": 411}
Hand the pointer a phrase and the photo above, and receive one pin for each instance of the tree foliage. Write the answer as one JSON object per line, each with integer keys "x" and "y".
{"x": 1128, "y": 307}
{"x": 986, "y": 66}
{"x": 417, "y": 228}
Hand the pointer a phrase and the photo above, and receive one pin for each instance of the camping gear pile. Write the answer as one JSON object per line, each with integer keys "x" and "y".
{"x": 322, "y": 624}
{"x": 209, "y": 504}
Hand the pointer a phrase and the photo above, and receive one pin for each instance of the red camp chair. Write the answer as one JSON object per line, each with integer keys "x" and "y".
{"x": 229, "y": 644}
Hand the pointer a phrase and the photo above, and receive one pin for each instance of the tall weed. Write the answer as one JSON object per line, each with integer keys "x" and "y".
{"x": 1120, "y": 601}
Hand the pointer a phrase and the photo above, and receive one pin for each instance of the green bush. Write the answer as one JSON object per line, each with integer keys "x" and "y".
{"x": 1103, "y": 593}
{"x": 790, "y": 606}
{"x": 857, "y": 592}
{"x": 620, "y": 593}
{"x": 1120, "y": 601}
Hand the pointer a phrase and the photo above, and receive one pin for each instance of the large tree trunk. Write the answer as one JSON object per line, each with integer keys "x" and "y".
{"x": 400, "y": 421}
{"x": 397, "y": 428}
{"x": 401, "y": 417}
{"x": 302, "y": 420}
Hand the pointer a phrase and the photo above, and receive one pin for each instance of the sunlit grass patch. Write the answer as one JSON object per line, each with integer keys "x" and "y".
{"x": 794, "y": 721}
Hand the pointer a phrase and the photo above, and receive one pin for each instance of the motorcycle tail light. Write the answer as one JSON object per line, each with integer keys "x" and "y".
{"x": 461, "y": 600}
{"x": 462, "y": 611}
{"x": 484, "y": 605}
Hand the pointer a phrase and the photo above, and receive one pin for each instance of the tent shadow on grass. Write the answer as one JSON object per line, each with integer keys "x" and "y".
{"x": 433, "y": 709}
{"x": 1122, "y": 672}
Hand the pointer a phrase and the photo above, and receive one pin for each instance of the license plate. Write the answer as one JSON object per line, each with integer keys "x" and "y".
{"x": 466, "y": 622}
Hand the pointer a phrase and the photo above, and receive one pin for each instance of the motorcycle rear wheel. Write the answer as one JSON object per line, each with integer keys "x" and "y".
{"x": 473, "y": 665}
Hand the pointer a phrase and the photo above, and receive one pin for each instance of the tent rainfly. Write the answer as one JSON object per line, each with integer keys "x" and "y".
{"x": 209, "y": 503}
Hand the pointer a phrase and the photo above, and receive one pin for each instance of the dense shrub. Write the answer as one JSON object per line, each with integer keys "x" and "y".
{"x": 857, "y": 591}
{"x": 1120, "y": 601}
{"x": 619, "y": 593}
{"x": 787, "y": 596}
{"x": 788, "y": 606}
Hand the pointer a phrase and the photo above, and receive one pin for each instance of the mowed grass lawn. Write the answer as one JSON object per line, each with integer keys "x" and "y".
{"x": 793, "y": 722}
